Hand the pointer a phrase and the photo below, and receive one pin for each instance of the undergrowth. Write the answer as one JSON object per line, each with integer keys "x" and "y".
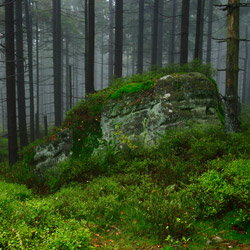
{"x": 190, "y": 188}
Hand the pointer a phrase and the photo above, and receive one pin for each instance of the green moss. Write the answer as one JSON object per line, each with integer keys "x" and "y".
{"x": 132, "y": 88}
{"x": 220, "y": 108}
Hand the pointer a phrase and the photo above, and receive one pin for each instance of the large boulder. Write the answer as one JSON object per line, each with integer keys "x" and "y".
{"x": 174, "y": 101}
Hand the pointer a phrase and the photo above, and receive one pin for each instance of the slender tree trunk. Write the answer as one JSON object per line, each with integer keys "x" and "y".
{"x": 155, "y": 33}
{"x": 45, "y": 125}
{"x": 10, "y": 80}
{"x": 133, "y": 58}
{"x": 244, "y": 93}
{"x": 218, "y": 75}
{"x": 140, "y": 37}
{"x": 37, "y": 80}
{"x": 102, "y": 56}
{"x": 57, "y": 55}
{"x": 160, "y": 33}
{"x": 118, "y": 37}
{"x": 201, "y": 30}
{"x": 171, "y": 51}
{"x": 111, "y": 38}
{"x": 30, "y": 60}
{"x": 232, "y": 123}
{"x": 209, "y": 32}
{"x": 91, "y": 48}
{"x": 3, "y": 111}
{"x": 198, "y": 30}
{"x": 86, "y": 44}
{"x": 67, "y": 71}
{"x": 70, "y": 87}
{"x": 20, "y": 76}
{"x": 184, "y": 31}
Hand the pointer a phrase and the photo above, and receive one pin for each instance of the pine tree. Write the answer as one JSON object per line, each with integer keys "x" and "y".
{"x": 10, "y": 80}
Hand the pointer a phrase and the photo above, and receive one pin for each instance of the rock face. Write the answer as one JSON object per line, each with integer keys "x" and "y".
{"x": 175, "y": 100}
{"x": 49, "y": 154}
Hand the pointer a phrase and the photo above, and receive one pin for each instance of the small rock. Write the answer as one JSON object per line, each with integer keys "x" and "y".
{"x": 208, "y": 242}
{"x": 217, "y": 239}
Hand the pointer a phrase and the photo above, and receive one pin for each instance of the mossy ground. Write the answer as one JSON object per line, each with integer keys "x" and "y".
{"x": 192, "y": 187}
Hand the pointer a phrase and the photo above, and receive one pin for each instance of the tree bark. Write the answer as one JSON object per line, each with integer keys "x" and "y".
{"x": 155, "y": 33}
{"x": 10, "y": 80}
{"x": 118, "y": 37}
{"x": 67, "y": 71}
{"x": 140, "y": 37}
{"x": 20, "y": 76}
{"x": 70, "y": 87}
{"x": 102, "y": 58}
{"x": 111, "y": 38}
{"x": 37, "y": 80}
{"x": 200, "y": 56}
{"x": 30, "y": 60}
{"x": 209, "y": 32}
{"x": 57, "y": 67}
{"x": 171, "y": 51}
{"x": 198, "y": 30}
{"x": 91, "y": 47}
{"x": 232, "y": 123}
{"x": 244, "y": 87}
{"x": 184, "y": 31}
{"x": 160, "y": 33}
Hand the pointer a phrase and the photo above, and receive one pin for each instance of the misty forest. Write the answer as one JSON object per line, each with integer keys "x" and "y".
{"x": 124, "y": 124}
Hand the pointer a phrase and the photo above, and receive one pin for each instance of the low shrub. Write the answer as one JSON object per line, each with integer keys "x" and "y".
{"x": 29, "y": 223}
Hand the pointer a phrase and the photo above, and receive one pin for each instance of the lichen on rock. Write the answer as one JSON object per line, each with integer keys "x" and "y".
{"x": 48, "y": 155}
{"x": 176, "y": 100}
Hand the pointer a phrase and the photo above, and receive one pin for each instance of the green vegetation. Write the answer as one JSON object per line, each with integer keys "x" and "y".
{"x": 132, "y": 88}
{"x": 191, "y": 191}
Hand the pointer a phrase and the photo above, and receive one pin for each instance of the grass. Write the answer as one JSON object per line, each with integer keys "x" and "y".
{"x": 184, "y": 193}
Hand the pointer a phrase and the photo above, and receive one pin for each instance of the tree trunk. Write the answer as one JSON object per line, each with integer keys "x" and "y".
{"x": 209, "y": 32}
{"x": 67, "y": 71}
{"x": 30, "y": 60}
{"x": 118, "y": 37}
{"x": 102, "y": 57}
{"x": 20, "y": 76}
{"x": 171, "y": 51}
{"x": 3, "y": 111}
{"x": 140, "y": 37}
{"x": 160, "y": 33}
{"x": 155, "y": 33}
{"x": 111, "y": 38}
{"x": 91, "y": 47}
{"x": 232, "y": 123}
{"x": 37, "y": 80}
{"x": 70, "y": 87}
{"x": 198, "y": 30}
{"x": 184, "y": 31}
{"x": 45, "y": 125}
{"x": 244, "y": 92}
{"x": 57, "y": 67}
{"x": 200, "y": 56}
{"x": 86, "y": 43}
{"x": 10, "y": 80}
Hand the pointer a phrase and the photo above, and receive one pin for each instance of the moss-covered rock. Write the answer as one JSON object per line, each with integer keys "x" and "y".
{"x": 174, "y": 100}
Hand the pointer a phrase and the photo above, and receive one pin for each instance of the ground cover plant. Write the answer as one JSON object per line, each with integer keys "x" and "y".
{"x": 191, "y": 191}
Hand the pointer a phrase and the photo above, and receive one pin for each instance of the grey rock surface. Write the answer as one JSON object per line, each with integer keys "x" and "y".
{"x": 175, "y": 101}
{"x": 48, "y": 155}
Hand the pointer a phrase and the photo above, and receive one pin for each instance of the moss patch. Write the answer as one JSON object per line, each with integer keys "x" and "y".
{"x": 133, "y": 88}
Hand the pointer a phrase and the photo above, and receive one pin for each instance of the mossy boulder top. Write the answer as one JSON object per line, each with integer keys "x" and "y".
{"x": 173, "y": 101}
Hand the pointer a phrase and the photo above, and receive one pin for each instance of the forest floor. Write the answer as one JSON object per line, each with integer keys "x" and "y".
{"x": 191, "y": 191}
